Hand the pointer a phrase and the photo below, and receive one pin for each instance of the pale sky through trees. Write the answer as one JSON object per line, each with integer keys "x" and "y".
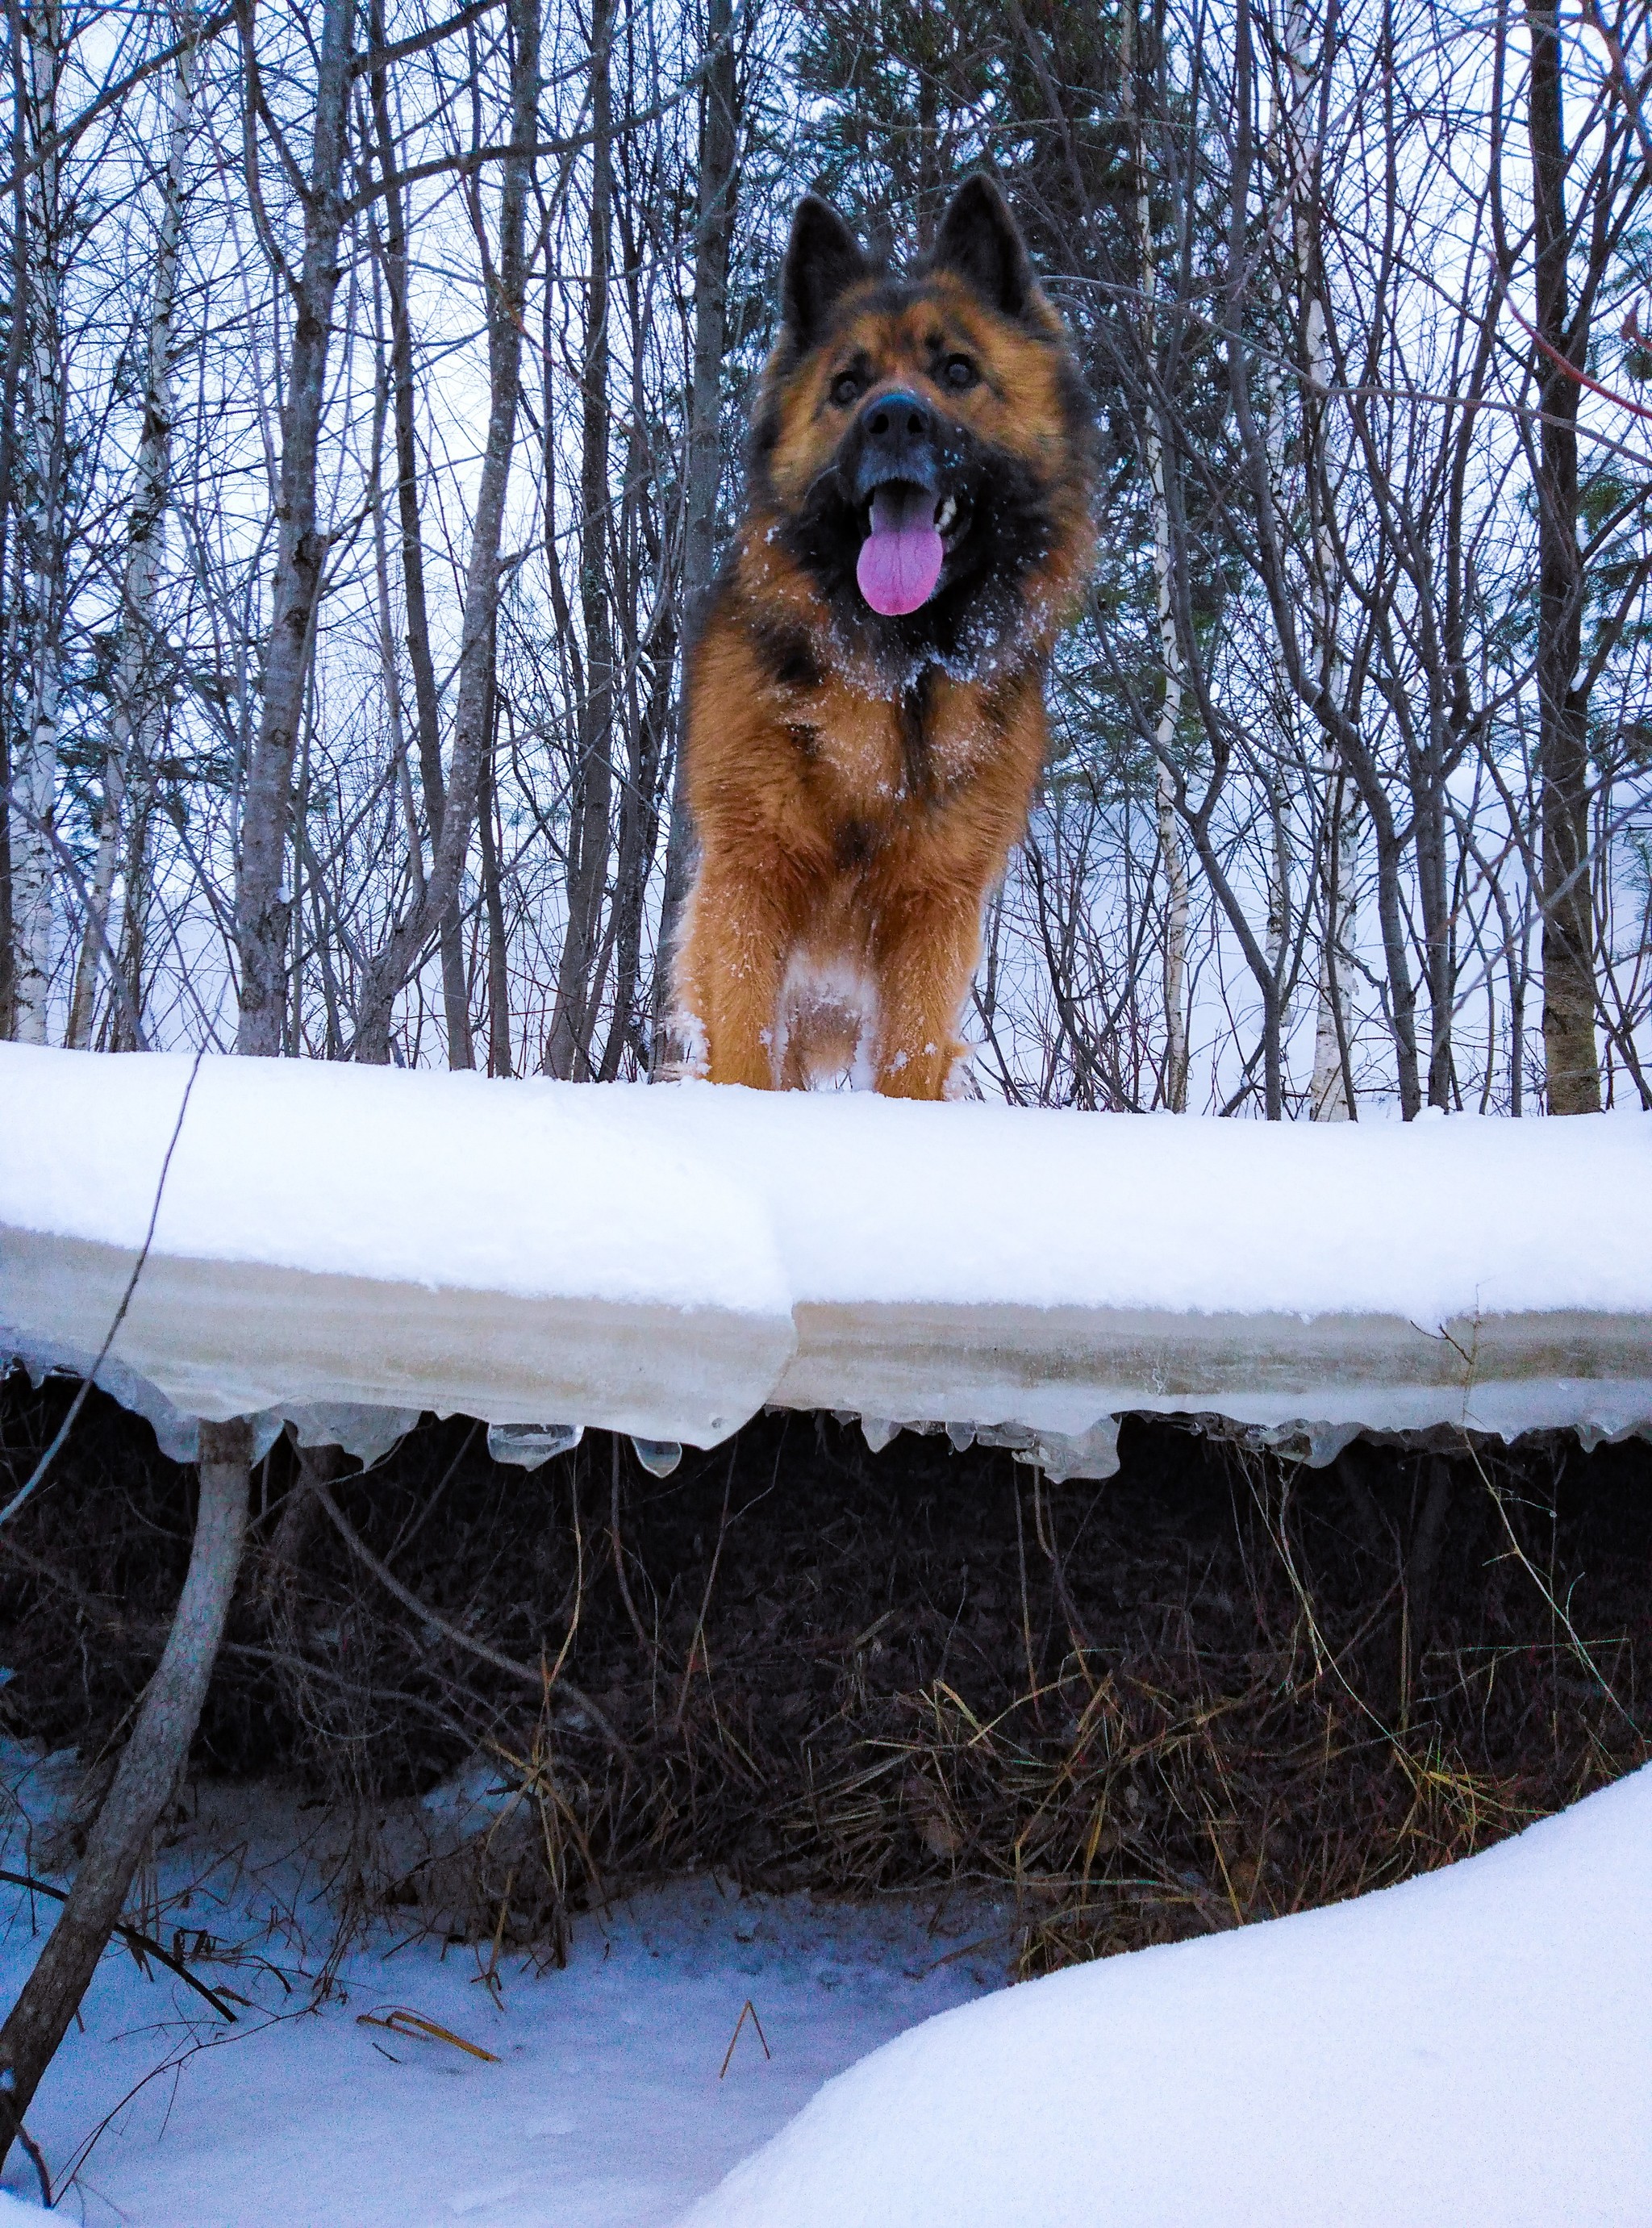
{"x": 1353, "y": 824}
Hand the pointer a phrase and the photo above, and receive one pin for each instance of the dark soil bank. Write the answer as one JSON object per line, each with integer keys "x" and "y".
{"x": 1217, "y": 1687}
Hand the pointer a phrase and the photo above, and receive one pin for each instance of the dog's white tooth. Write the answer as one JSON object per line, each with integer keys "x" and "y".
{"x": 945, "y": 514}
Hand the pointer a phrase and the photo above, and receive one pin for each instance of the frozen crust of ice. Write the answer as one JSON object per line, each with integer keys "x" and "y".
{"x": 663, "y": 1261}
{"x": 1471, "y": 2050}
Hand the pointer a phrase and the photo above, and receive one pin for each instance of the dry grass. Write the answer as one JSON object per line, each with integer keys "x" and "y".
{"x": 1217, "y": 1688}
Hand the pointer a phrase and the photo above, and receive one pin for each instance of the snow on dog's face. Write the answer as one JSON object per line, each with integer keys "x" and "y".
{"x": 923, "y": 444}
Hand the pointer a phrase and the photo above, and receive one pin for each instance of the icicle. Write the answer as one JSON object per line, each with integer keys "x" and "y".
{"x": 528, "y": 1445}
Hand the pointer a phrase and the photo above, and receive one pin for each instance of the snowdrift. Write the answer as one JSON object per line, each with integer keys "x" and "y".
{"x": 348, "y": 1246}
{"x": 1472, "y": 2049}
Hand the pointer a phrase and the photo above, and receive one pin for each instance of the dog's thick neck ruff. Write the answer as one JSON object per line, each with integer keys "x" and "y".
{"x": 902, "y": 458}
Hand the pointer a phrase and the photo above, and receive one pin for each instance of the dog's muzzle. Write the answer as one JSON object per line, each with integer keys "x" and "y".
{"x": 901, "y": 439}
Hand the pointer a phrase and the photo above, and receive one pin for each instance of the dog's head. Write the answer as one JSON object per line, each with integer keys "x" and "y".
{"x": 922, "y": 447}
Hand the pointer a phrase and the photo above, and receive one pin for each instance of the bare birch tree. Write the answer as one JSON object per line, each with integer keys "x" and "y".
{"x": 1304, "y": 70}
{"x": 136, "y": 710}
{"x": 718, "y": 193}
{"x": 1166, "y": 732}
{"x": 264, "y": 894}
{"x": 1571, "y": 1057}
{"x": 568, "y": 1044}
{"x": 145, "y": 1780}
{"x": 473, "y": 718}
{"x": 43, "y": 458}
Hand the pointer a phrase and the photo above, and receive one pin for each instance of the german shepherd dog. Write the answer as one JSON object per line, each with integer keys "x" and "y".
{"x": 866, "y": 708}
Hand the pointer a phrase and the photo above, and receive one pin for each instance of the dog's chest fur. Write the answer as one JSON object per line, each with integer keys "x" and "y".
{"x": 871, "y": 763}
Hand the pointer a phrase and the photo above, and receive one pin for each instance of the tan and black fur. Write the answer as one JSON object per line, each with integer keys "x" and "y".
{"x": 857, "y": 782}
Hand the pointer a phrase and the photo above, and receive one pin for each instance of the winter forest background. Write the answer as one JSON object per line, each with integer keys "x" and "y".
{"x": 372, "y": 388}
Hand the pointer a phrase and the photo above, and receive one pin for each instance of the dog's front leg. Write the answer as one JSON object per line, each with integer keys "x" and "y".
{"x": 924, "y": 952}
{"x": 729, "y": 973}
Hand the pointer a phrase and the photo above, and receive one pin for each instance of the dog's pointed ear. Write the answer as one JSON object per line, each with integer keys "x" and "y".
{"x": 824, "y": 260}
{"x": 981, "y": 241}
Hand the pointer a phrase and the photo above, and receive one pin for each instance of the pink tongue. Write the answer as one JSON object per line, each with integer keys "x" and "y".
{"x": 900, "y": 559}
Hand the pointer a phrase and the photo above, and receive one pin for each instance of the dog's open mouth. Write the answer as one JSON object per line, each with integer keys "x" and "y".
{"x": 901, "y": 558}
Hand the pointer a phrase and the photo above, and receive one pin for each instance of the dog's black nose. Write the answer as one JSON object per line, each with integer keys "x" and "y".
{"x": 898, "y": 442}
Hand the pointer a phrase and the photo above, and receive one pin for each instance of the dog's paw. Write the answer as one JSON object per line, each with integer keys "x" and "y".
{"x": 685, "y": 1050}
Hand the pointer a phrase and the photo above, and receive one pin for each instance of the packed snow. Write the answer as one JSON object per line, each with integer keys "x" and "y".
{"x": 665, "y": 1260}
{"x": 532, "y": 1189}
{"x": 1470, "y": 2049}
{"x": 1473, "y": 2047}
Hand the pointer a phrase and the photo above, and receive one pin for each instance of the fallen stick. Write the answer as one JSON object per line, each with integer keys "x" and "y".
{"x": 135, "y": 1940}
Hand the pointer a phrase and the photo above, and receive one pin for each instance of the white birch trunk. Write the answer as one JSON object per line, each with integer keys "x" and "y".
{"x": 1279, "y": 892}
{"x": 42, "y": 444}
{"x": 702, "y": 466}
{"x": 1175, "y": 870}
{"x": 263, "y": 898}
{"x": 1327, "y": 1093}
{"x": 393, "y": 965}
{"x": 135, "y": 722}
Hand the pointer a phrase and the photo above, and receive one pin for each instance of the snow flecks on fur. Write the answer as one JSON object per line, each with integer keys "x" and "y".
{"x": 828, "y": 1030}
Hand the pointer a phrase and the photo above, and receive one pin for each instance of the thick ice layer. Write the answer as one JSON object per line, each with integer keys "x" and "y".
{"x": 545, "y": 1190}
{"x": 357, "y": 1235}
{"x": 1471, "y": 2050}
{"x": 663, "y": 1261}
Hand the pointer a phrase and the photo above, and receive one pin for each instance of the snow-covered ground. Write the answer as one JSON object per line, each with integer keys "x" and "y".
{"x": 604, "y": 2104}
{"x": 692, "y": 1196}
{"x": 663, "y": 1261}
{"x": 1472, "y": 2049}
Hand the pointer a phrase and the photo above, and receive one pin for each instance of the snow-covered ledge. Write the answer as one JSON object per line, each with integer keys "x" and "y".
{"x": 349, "y": 1246}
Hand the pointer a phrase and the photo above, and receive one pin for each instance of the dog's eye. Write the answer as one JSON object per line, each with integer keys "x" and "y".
{"x": 958, "y": 372}
{"x": 846, "y": 388}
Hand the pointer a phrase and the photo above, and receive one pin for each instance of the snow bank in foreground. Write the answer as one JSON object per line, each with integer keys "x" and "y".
{"x": 1474, "y": 2046}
